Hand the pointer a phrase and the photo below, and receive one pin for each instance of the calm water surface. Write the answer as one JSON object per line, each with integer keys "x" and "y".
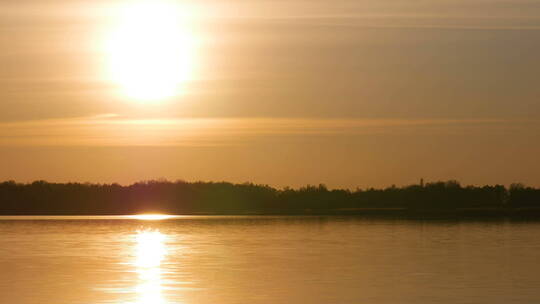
{"x": 267, "y": 260}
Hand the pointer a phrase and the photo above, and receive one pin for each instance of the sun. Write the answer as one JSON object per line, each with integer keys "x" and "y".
{"x": 151, "y": 49}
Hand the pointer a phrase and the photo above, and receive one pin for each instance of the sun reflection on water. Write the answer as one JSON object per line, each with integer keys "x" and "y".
{"x": 150, "y": 252}
{"x": 151, "y": 217}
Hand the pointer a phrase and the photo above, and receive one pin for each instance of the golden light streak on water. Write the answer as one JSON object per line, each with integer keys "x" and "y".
{"x": 150, "y": 252}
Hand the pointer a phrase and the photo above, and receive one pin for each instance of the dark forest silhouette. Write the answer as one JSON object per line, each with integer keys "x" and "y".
{"x": 43, "y": 198}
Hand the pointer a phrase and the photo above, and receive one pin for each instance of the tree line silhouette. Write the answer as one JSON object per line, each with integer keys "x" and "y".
{"x": 44, "y": 198}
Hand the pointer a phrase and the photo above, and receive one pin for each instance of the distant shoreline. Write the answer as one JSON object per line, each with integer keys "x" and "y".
{"x": 380, "y": 213}
{"x": 439, "y": 199}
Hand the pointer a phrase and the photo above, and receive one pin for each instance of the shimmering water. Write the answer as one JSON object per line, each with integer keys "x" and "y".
{"x": 267, "y": 260}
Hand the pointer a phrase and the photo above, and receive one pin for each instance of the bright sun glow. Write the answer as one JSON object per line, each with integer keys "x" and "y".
{"x": 151, "y": 51}
{"x": 151, "y": 217}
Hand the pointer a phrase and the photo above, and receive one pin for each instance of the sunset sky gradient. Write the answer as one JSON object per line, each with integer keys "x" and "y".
{"x": 346, "y": 93}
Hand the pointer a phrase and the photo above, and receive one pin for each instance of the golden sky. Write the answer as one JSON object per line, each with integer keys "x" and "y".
{"x": 347, "y": 93}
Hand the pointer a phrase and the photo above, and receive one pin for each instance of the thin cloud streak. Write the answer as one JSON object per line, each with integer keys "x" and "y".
{"x": 113, "y": 130}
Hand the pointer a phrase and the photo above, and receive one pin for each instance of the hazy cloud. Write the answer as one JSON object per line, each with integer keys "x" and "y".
{"x": 114, "y": 130}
